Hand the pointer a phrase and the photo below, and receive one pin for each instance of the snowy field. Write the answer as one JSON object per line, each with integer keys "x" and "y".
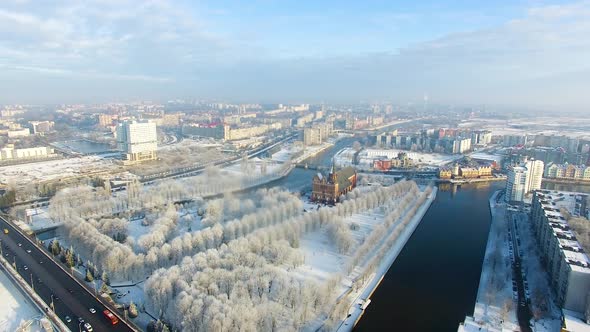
{"x": 302, "y": 266}
{"x": 15, "y": 309}
{"x": 297, "y": 152}
{"x": 55, "y": 169}
{"x": 574, "y": 127}
{"x": 367, "y": 156}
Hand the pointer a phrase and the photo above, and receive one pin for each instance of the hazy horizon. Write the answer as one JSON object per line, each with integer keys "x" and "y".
{"x": 529, "y": 54}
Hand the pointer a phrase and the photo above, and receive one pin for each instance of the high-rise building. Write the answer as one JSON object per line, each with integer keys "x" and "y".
{"x": 516, "y": 184}
{"x": 138, "y": 140}
{"x": 461, "y": 145}
{"x": 535, "y": 170}
{"x": 524, "y": 179}
{"x": 565, "y": 259}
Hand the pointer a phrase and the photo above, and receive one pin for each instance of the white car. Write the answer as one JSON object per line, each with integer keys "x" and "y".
{"x": 68, "y": 319}
{"x": 92, "y": 310}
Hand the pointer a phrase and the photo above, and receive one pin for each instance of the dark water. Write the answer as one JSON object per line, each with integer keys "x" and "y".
{"x": 433, "y": 283}
{"x": 582, "y": 188}
{"x": 84, "y": 146}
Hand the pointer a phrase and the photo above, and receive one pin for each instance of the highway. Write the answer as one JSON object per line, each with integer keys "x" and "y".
{"x": 51, "y": 282}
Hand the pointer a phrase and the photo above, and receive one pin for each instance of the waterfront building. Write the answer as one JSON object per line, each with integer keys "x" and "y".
{"x": 337, "y": 183}
{"x": 445, "y": 173}
{"x": 565, "y": 259}
{"x": 535, "y": 170}
{"x": 468, "y": 172}
{"x": 516, "y": 184}
{"x": 137, "y": 140}
{"x": 568, "y": 172}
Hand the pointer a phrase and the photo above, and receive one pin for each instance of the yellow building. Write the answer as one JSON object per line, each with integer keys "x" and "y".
{"x": 445, "y": 173}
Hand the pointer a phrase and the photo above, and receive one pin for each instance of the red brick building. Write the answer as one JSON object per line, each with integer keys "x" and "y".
{"x": 329, "y": 189}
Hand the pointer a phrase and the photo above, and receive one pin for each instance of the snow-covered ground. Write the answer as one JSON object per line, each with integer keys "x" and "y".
{"x": 15, "y": 308}
{"x": 574, "y": 126}
{"x": 546, "y": 315}
{"x": 297, "y": 152}
{"x": 253, "y": 166}
{"x": 55, "y": 169}
{"x": 495, "y": 307}
{"x": 367, "y": 156}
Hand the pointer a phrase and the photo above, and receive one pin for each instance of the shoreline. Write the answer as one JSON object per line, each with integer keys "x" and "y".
{"x": 356, "y": 312}
{"x": 484, "y": 316}
{"x": 567, "y": 181}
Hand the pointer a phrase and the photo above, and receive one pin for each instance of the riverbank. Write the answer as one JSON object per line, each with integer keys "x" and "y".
{"x": 478, "y": 180}
{"x": 362, "y": 300}
{"x": 567, "y": 181}
{"x": 494, "y": 307}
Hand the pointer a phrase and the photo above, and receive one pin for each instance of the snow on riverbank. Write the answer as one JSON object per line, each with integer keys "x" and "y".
{"x": 366, "y": 157}
{"x": 495, "y": 309}
{"x": 15, "y": 309}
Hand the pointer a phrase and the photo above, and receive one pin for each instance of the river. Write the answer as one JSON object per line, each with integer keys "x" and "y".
{"x": 432, "y": 285}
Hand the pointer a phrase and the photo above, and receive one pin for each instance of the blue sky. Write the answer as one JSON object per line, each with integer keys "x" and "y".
{"x": 513, "y": 53}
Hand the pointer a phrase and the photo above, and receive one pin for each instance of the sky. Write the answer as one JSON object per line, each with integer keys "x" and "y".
{"x": 531, "y": 54}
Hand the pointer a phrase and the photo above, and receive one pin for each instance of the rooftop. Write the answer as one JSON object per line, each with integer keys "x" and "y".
{"x": 552, "y": 202}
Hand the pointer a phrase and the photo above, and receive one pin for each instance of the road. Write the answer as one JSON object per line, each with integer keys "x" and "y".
{"x": 523, "y": 312}
{"x": 50, "y": 281}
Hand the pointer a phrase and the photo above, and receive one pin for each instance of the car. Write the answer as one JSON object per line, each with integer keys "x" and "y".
{"x": 70, "y": 290}
{"x": 80, "y": 320}
{"x": 25, "y": 267}
{"x": 20, "y": 244}
{"x": 28, "y": 251}
{"x": 92, "y": 310}
{"x": 68, "y": 319}
{"x": 40, "y": 262}
{"x": 88, "y": 327}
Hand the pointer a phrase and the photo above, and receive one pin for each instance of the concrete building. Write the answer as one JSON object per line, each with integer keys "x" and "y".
{"x": 535, "y": 170}
{"x": 514, "y": 140}
{"x": 461, "y": 145}
{"x": 137, "y": 140}
{"x": 38, "y": 127}
{"x": 565, "y": 259}
{"x": 9, "y": 152}
{"x": 18, "y": 133}
{"x": 105, "y": 120}
{"x": 516, "y": 184}
{"x": 317, "y": 133}
{"x": 312, "y": 136}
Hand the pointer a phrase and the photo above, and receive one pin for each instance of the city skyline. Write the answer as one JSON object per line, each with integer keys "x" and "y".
{"x": 516, "y": 54}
